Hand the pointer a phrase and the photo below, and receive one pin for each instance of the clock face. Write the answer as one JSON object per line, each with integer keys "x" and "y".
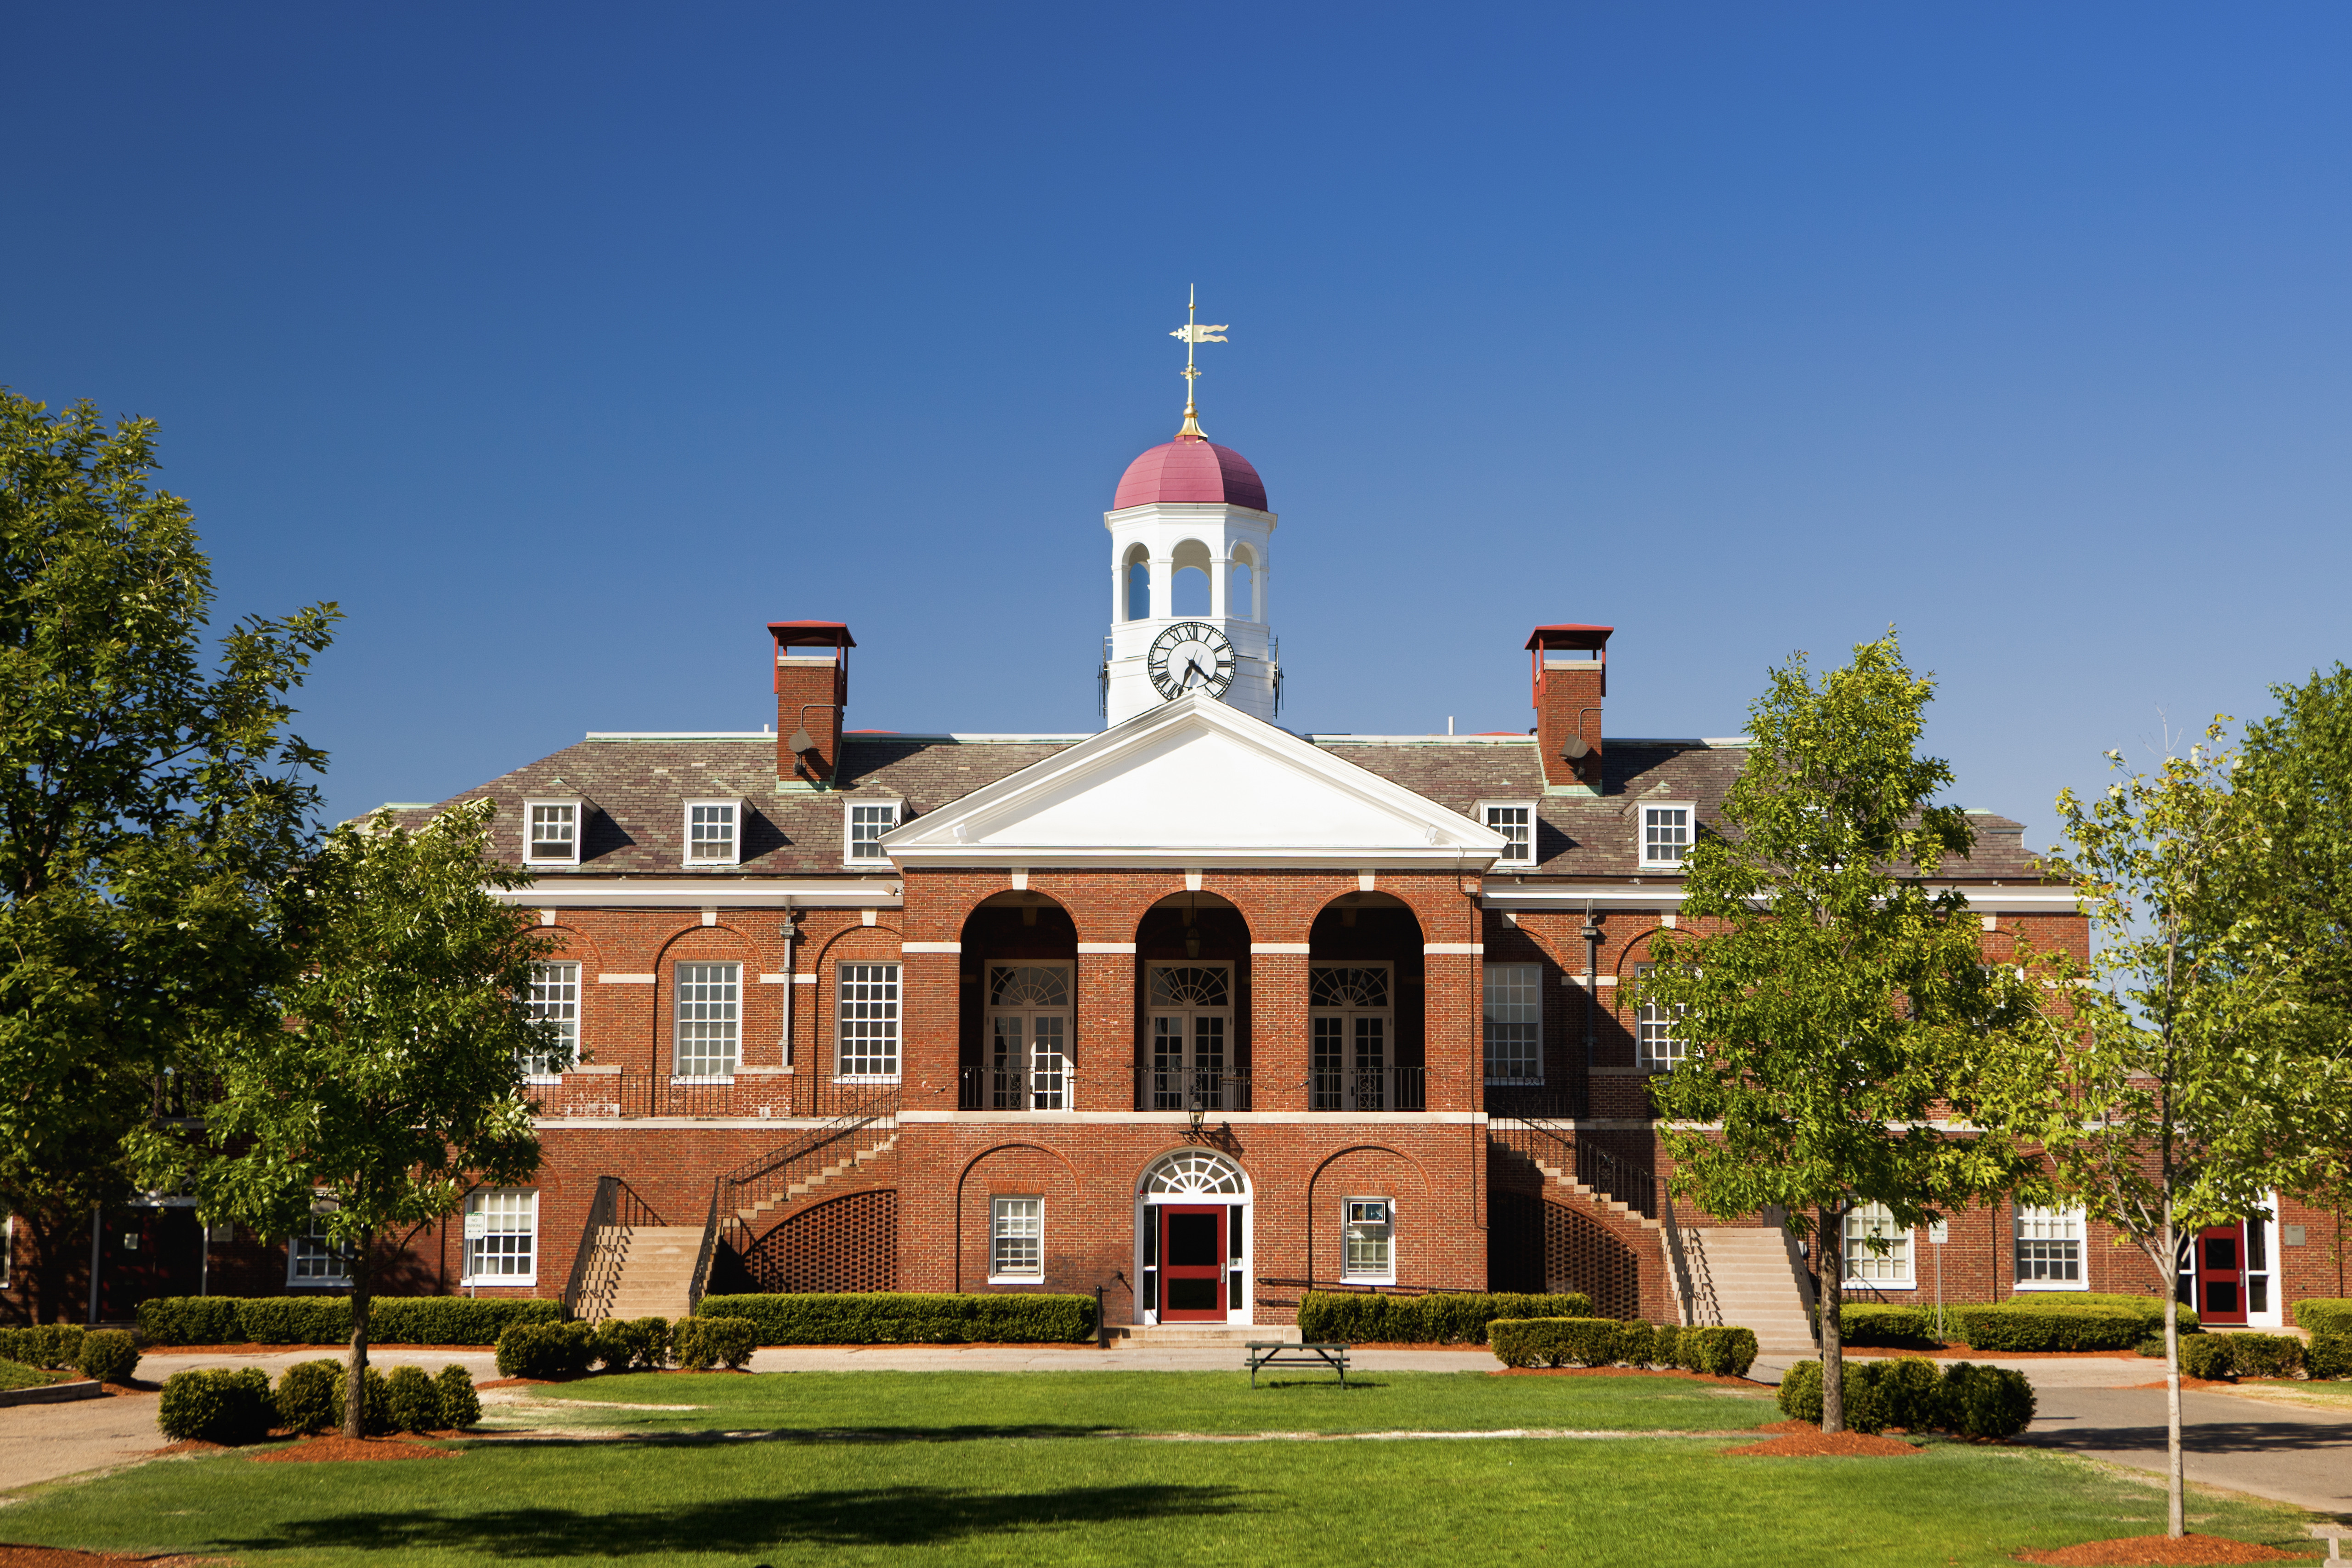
{"x": 1190, "y": 655}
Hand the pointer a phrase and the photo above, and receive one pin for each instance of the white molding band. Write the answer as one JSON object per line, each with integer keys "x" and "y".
{"x": 1126, "y": 947}
{"x": 2025, "y": 900}
{"x": 1454, "y": 949}
{"x": 774, "y": 979}
{"x": 920, "y": 947}
{"x": 694, "y": 893}
{"x": 1258, "y": 947}
{"x": 625, "y": 980}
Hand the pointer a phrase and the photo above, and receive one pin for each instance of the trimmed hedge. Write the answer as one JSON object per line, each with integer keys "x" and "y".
{"x": 2328, "y": 1355}
{"x": 1605, "y": 1341}
{"x": 2215, "y": 1356}
{"x": 546, "y": 1350}
{"x": 109, "y": 1355}
{"x": 2035, "y": 1327}
{"x": 702, "y": 1340}
{"x": 1870, "y": 1323}
{"x": 1909, "y": 1392}
{"x": 215, "y": 1406}
{"x": 2325, "y": 1315}
{"x": 2205, "y": 1356}
{"x": 1450, "y": 1316}
{"x": 904, "y": 1317}
{"x": 638, "y": 1344}
{"x": 326, "y": 1319}
{"x": 54, "y": 1347}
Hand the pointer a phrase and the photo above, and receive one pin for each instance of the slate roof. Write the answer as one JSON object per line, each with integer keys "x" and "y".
{"x": 636, "y": 791}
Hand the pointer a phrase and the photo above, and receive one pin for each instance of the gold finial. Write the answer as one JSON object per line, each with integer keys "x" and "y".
{"x": 1194, "y": 332}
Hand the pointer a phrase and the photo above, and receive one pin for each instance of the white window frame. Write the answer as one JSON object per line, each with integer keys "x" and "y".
{"x": 849, "y": 810}
{"x": 1526, "y": 859}
{"x": 735, "y": 815}
{"x": 476, "y": 1202}
{"x": 1349, "y": 1223}
{"x": 1534, "y": 993}
{"x": 679, "y": 1002}
{"x": 890, "y": 1025}
{"x": 1896, "y": 1269}
{"x": 531, "y": 809}
{"x": 1642, "y": 834}
{"x": 2023, "y": 1215}
{"x": 553, "y": 1008}
{"x": 307, "y": 1244}
{"x": 1650, "y": 1022}
{"x": 1006, "y": 1221}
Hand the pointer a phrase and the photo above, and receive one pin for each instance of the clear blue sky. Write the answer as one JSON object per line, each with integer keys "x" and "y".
{"x": 566, "y": 345}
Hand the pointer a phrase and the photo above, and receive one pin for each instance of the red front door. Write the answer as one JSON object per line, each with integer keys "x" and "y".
{"x": 1191, "y": 1263}
{"x": 2220, "y": 1269}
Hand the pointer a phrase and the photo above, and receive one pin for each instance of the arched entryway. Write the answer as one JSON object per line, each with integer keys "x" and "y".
{"x": 1016, "y": 983}
{"x": 1193, "y": 1236}
{"x": 1364, "y": 994}
{"x": 1193, "y": 1011}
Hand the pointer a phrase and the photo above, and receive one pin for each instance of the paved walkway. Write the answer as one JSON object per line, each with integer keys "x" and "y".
{"x": 2269, "y": 1448}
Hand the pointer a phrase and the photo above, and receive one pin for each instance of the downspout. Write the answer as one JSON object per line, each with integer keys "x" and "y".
{"x": 791, "y": 933}
{"x": 1591, "y": 934}
{"x": 97, "y": 1219}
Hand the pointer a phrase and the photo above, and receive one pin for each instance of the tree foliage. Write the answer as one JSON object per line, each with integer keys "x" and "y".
{"x": 393, "y": 1084}
{"x": 149, "y": 798}
{"x": 1836, "y": 1008}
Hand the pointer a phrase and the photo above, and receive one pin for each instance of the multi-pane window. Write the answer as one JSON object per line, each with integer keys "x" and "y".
{"x": 869, "y": 1029}
{"x": 1349, "y": 1015}
{"x": 1517, "y": 824}
{"x": 554, "y": 1002}
{"x": 502, "y": 1235}
{"x": 1877, "y": 1251}
{"x": 709, "y": 1019}
{"x": 2049, "y": 1247}
{"x": 1656, "y": 1044}
{"x": 711, "y": 832}
{"x": 1017, "y": 1239}
{"x": 867, "y": 823}
{"x": 554, "y": 831}
{"x": 312, "y": 1259}
{"x": 1514, "y": 1019}
{"x": 1665, "y": 834}
{"x": 1029, "y": 1035}
{"x": 1368, "y": 1238}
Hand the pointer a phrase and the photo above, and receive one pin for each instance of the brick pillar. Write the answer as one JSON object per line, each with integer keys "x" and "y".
{"x": 1453, "y": 1017}
{"x": 929, "y": 1026}
{"x": 1105, "y": 1025}
{"x": 1280, "y": 1039}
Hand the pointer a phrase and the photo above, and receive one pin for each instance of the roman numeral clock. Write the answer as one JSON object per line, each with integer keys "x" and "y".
{"x": 1190, "y": 655}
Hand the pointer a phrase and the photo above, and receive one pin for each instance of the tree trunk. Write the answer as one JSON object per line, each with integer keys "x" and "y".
{"x": 2176, "y": 1515}
{"x": 355, "y": 1372}
{"x": 1832, "y": 1254}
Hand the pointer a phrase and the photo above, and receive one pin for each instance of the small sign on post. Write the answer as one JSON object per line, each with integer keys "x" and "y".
{"x": 477, "y": 1226}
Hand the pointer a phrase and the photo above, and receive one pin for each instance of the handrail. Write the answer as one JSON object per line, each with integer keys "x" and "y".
{"x": 592, "y": 1235}
{"x": 614, "y": 1214}
{"x": 701, "y": 1279}
{"x": 776, "y": 1170}
{"x": 1635, "y": 1186}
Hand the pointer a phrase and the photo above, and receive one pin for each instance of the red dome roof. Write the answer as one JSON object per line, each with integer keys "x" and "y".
{"x": 1191, "y": 468}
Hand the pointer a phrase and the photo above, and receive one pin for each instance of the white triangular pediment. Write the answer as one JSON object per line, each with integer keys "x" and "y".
{"x": 1197, "y": 782}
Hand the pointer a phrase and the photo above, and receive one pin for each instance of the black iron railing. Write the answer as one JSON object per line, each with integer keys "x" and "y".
{"x": 1036, "y": 1087}
{"x": 1573, "y": 1152}
{"x": 1208, "y": 1090}
{"x": 628, "y": 1096}
{"x": 1368, "y": 1089}
{"x": 613, "y": 1214}
{"x": 764, "y": 1183}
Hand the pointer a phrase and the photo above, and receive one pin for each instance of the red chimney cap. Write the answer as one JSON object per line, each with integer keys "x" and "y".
{"x": 1570, "y": 634}
{"x": 812, "y": 634}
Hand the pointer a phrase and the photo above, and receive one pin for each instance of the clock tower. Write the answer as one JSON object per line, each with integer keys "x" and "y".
{"x": 1186, "y": 507}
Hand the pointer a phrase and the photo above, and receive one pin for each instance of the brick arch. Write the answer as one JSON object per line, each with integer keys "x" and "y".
{"x": 848, "y": 1243}
{"x": 1324, "y": 1186}
{"x": 823, "y": 962}
{"x": 721, "y": 945}
{"x": 577, "y": 945}
{"x": 1065, "y": 1195}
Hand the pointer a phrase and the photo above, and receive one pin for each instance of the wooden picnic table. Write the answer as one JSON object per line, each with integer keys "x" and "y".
{"x": 1265, "y": 1353}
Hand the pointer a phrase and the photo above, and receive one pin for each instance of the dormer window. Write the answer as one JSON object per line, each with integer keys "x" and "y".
{"x": 1666, "y": 829}
{"x": 712, "y": 832}
{"x": 552, "y": 832}
{"x": 862, "y": 830}
{"x": 1516, "y": 821}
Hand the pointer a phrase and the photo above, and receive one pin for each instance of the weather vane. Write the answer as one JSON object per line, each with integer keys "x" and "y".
{"x": 1194, "y": 332}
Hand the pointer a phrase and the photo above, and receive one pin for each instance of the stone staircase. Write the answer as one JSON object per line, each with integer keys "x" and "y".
{"x": 1744, "y": 1276}
{"x": 657, "y": 1263}
{"x": 855, "y": 1159}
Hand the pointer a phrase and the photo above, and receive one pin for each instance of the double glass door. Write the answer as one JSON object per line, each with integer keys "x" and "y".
{"x": 1192, "y": 1261}
{"x": 1350, "y": 1013}
{"x": 1190, "y": 1008}
{"x": 1028, "y": 1036}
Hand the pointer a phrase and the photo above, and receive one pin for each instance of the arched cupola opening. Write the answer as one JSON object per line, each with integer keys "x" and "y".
{"x": 1017, "y": 990}
{"x": 1192, "y": 1006}
{"x": 1365, "y": 991}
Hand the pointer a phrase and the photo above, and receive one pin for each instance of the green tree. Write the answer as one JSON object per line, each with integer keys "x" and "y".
{"x": 2183, "y": 1072}
{"x": 1836, "y": 1009}
{"x": 150, "y": 797}
{"x": 393, "y": 1084}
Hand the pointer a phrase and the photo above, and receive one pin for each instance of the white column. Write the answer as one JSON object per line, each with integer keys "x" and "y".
{"x": 1218, "y": 567}
{"x": 1163, "y": 587}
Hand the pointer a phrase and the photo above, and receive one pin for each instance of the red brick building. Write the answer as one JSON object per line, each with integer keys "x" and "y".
{"x": 1194, "y": 1009}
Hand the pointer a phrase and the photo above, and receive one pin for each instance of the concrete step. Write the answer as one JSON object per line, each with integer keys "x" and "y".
{"x": 1233, "y": 1335}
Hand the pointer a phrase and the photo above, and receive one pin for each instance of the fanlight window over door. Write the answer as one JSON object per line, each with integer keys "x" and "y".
{"x": 1190, "y": 1023}
{"x": 1194, "y": 1173}
{"x": 1028, "y": 1036}
{"x": 1352, "y": 1019}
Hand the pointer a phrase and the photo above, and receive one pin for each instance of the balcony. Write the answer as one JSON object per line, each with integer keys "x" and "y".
{"x": 1358, "y": 1089}
{"x": 746, "y": 1096}
{"x": 1206, "y": 1091}
{"x": 1047, "y": 1084}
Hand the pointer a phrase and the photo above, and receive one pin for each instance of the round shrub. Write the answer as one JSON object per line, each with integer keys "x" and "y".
{"x": 2329, "y": 1355}
{"x": 1800, "y": 1391}
{"x": 1985, "y": 1400}
{"x": 109, "y": 1355}
{"x": 411, "y": 1403}
{"x": 702, "y": 1340}
{"x": 2206, "y": 1356}
{"x": 215, "y": 1406}
{"x": 636, "y": 1344}
{"x": 460, "y": 1407}
{"x": 545, "y": 1350}
{"x": 310, "y": 1396}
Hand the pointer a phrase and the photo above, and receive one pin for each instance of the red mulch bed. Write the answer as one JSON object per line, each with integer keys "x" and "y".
{"x": 2133, "y": 1551}
{"x": 1962, "y": 1352}
{"x": 1803, "y": 1440}
{"x": 318, "y": 1450}
{"x": 2188, "y": 1382}
{"x": 340, "y": 1347}
{"x": 1622, "y": 1372}
{"x": 66, "y": 1557}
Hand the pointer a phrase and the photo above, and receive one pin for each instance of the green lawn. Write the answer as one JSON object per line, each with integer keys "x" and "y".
{"x": 16, "y": 1374}
{"x": 935, "y": 1477}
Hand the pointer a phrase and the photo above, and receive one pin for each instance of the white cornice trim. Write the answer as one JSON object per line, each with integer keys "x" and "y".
{"x": 2024, "y": 901}
{"x": 1331, "y": 1119}
{"x": 732, "y": 893}
{"x": 1107, "y": 947}
{"x": 921, "y": 947}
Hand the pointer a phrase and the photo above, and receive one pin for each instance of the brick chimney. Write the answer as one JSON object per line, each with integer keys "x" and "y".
{"x": 812, "y": 688}
{"x": 1571, "y": 676}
